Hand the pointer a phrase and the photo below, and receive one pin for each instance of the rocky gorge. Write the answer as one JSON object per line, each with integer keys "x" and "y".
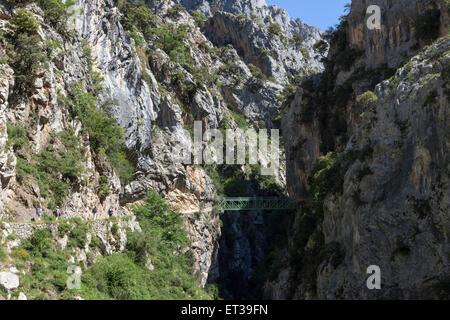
{"x": 96, "y": 95}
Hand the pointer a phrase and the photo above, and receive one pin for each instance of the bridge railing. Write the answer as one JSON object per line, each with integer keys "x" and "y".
{"x": 256, "y": 203}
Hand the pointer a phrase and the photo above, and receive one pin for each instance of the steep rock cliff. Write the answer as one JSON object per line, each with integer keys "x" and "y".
{"x": 370, "y": 161}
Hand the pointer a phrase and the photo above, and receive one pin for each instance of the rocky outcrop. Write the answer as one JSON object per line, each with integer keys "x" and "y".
{"x": 267, "y": 38}
{"x": 9, "y": 281}
{"x": 373, "y": 193}
{"x": 394, "y": 207}
{"x": 7, "y": 158}
{"x": 400, "y": 35}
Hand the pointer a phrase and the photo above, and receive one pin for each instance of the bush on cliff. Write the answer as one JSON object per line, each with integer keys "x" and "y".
{"x": 25, "y": 50}
{"x": 105, "y": 134}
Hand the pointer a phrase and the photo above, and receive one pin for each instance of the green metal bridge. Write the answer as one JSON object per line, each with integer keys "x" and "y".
{"x": 263, "y": 203}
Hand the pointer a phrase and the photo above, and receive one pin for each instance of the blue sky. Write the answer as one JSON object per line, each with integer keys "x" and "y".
{"x": 318, "y": 13}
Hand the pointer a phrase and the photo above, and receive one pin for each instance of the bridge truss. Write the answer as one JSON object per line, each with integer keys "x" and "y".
{"x": 263, "y": 203}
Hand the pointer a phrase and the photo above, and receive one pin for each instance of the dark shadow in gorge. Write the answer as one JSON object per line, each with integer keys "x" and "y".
{"x": 250, "y": 252}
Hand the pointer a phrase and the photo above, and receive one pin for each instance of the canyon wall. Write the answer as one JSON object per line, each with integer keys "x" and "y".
{"x": 367, "y": 154}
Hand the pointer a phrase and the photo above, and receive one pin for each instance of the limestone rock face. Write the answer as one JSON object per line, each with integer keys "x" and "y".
{"x": 9, "y": 281}
{"x": 8, "y": 160}
{"x": 395, "y": 214}
{"x": 387, "y": 203}
{"x": 235, "y": 7}
{"x": 276, "y": 52}
{"x": 22, "y": 296}
{"x": 398, "y": 35}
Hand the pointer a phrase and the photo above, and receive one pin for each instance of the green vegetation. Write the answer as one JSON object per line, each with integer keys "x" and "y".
{"x": 327, "y": 177}
{"x": 321, "y": 47}
{"x": 56, "y": 12}
{"x": 275, "y": 29}
{"x": 3, "y": 255}
{"x": 137, "y": 18}
{"x": 345, "y": 55}
{"x": 328, "y": 172}
{"x": 297, "y": 39}
{"x": 78, "y": 234}
{"x": 24, "y": 50}
{"x": 18, "y": 136}
{"x": 199, "y": 18}
{"x": 239, "y": 119}
{"x": 175, "y": 10}
{"x": 232, "y": 69}
{"x": 367, "y": 99}
{"x": 54, "y": 169}
{"x": 124, "y": 276}
{"x": 105, "y": 135}
{"x": 256, "y": 72}
{"x": 49, "y": 266}
{"x": 120, "y": 275}
{"x": 305, "y": 53}
{"x": 170, "y": 38}
{"x": 24, "y": 22}
{"x": 186, "y": 87}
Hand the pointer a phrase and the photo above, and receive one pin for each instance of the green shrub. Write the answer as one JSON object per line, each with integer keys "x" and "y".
{"x": 56, "y": 11}
{"x": 297, "y": 39}
{"x": 117, "y": 277}
{"x": 78, "y": 235}
{"x": 115, "y": 229}
{"x": 187, "y": 87}
{"x": 239, "y": 119}
{"x": 175, "y": 9}
{"x": 54, "y": 170}
{"x": 159, "y": 214}
{"x": 138, "y": 18}
{"x": 199, "y": 18}
{"x": 3, "y": 255}
{"x": 39, "y": 244}
{"x": 64, "y": 227}
{"x": 47, "y": 268}
{"x": 367, "y": 99}
{"x": 305, "y": 53}
{"x": 24, "y": 22}
{"x": 25, "y": 50}
{"x": 275, "y": 29}
{"x": 321, "y": 47}
{"x": 215, "y": 177}
{"x": 105, "y": 135}
{"x": 170, "y": 38}
{"x": 256, "y": 72}
{"x": 18, "y": 135}
{"x": 21, "y": 254}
